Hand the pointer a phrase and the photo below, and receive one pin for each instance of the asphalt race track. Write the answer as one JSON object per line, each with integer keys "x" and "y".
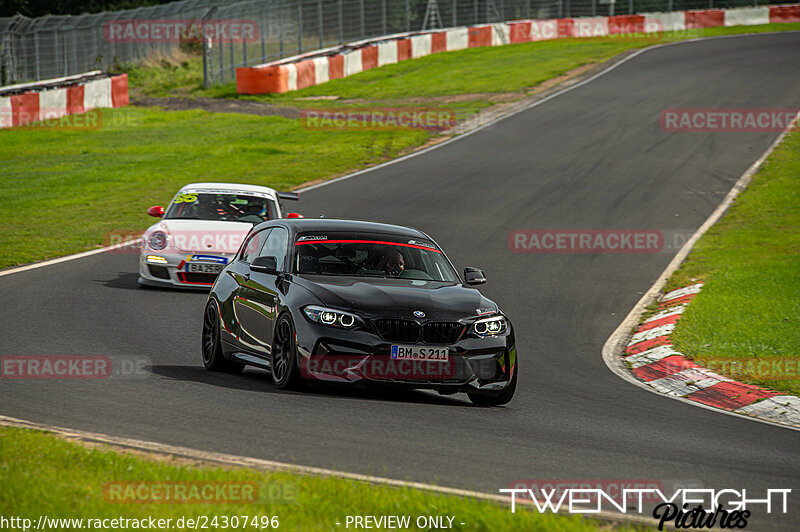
{"x": 593, "y": 158}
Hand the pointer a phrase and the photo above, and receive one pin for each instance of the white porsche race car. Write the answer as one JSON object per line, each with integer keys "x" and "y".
{"x": 201, "y": 230}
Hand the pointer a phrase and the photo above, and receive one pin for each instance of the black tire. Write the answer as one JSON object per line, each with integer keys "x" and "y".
{"x": 213, "y": 359}
{"x": 501, "y": 398}
{"x": 285, "y": 374}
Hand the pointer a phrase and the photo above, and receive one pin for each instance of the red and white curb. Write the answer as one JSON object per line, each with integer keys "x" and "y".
{"x": 321, "y": 66}
{"x": 55, "y": 98}
{"x": 651, "y": 357}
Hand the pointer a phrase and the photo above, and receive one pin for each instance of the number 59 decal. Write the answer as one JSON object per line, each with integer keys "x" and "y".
{"x": 186, "y": 198}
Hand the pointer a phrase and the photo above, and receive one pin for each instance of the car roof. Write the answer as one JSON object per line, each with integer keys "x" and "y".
{"x": 303, "y": 225}
{"x": 229, "y": 187}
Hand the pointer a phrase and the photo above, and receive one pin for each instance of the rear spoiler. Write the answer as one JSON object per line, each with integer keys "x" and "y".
{"x": 294, "y": 196}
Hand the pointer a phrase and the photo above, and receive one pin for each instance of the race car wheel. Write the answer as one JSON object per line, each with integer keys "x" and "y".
{"x": 501, "y": 398}
{"x": 285, "y": 374}
{"x": 212, "y": 349}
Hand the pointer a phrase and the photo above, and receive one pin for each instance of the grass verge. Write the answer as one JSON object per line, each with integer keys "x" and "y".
{"x": 66, "y": 191}
{"x": 67, "y": 480}
{"x": 744, "y": 323}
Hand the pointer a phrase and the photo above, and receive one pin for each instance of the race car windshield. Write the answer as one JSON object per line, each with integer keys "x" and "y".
{"x": 223, "y": 207}
{"x": 371, "y": 257}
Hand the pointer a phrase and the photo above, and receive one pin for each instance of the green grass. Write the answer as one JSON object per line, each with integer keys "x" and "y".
{"x": 749, "y": 309}
{"x": 176, "y": 77}
{"x": 64, "y": 191}
{"x": 45, "y": 475}
{"x": 479, "y": 71}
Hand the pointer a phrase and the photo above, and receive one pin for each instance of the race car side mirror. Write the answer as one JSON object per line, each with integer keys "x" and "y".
{"x": 473, "y": 276}
{"x": 265, "y": 265}
{"x": 156, "y": 211}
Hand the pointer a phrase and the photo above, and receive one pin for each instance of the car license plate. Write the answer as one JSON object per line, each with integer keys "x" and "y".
{"x": 413, "y": 352}
{"x": 203, "y": 268}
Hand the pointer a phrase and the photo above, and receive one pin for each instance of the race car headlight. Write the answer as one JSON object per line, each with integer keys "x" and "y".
{"x": 490, "y": 326}
{"x": 157, "y": 240}
{"x": 332, "y": 317}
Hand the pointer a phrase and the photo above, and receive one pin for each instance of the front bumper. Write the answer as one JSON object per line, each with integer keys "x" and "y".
{"x": 173, "y": 272}
{"x": 475, "y": 365}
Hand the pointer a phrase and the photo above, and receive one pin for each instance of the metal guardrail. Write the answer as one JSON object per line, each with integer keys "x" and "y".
{"x": 57, "y": 46}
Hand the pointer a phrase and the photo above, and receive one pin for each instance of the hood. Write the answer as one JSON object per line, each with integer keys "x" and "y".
{"x": 398, "y": 297}
{"x": 205, "y": 236}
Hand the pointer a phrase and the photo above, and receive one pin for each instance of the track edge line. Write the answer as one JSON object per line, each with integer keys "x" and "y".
{"x": 615, "y": 344}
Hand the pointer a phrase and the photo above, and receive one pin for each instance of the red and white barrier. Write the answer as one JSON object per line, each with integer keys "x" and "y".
{"x": 6, "y": 114}
{"x": 311, "y": 69}
{"x": 457, "y": 39}
{"x": 748, "y": 16}
{"x": 780, "y": 14}
{"x": 387, "y": 53}
{"x": 66, "y": 98}
{"x": 655, "y": 22}
{"x": 420, "y": 46}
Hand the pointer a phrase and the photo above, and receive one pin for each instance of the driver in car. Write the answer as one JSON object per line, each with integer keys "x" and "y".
{"x": 393, "y": 262}
{"x": 255, "y": 208}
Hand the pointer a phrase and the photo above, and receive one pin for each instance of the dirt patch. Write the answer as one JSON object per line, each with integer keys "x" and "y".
{"x": 218, "y": 105}
{"x": 496, "y": 97}
{"x": 550, "y": 83}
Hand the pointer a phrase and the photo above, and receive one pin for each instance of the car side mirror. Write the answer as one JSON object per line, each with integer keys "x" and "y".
{"x": 265, "y": 265}
{"x": 473, "y": 276}
{"x": 156, "y": 211}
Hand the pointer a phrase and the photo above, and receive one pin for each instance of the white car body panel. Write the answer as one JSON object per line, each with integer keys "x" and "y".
{"x": 196, "y": 241}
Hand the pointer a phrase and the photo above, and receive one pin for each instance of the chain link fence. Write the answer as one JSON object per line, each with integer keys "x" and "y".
{"x": 57, "y": 46}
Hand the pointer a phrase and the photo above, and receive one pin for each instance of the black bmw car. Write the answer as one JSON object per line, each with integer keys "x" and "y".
{"x": 357, "y": 302}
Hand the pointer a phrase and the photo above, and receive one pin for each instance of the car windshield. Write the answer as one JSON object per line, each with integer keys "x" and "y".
{"x": 371, "y": 256}
{"x": 221, "y": 206}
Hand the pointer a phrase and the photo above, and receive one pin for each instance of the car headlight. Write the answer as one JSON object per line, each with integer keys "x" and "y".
{"x": 157, "y": 240}
{"x": 332, "y": 317}
{"x": 490, "y": 326}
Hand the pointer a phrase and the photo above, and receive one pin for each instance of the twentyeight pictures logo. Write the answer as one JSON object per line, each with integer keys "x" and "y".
{"x": 681, "y": 508}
